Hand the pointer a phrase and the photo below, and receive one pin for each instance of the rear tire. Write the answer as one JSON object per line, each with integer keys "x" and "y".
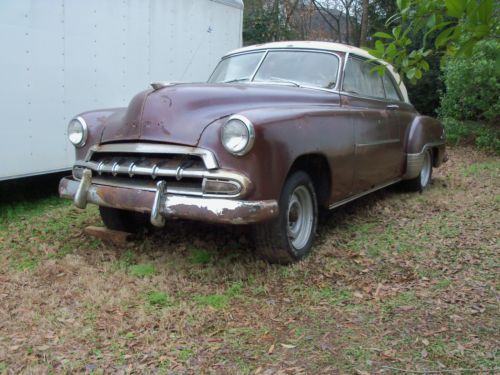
{"x": 122, "y": 220}
{"x": 289, "y": 237}
{"x": 423, "y": 180}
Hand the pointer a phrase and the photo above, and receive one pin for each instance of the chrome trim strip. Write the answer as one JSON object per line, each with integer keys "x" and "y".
{"x": 258, "y": 66}
{"x": 143, "y": 185}
{"x": 377, "y": 143}
{"x": 431, "y": 144}
{"x": 383, "y": 100}
{"x": 153, "y": 148}
{"x": 220, "y": 174}
{"x": 354, "y": 197}
{"x": 415, "y": 161}
{"x": 346, "y": 59}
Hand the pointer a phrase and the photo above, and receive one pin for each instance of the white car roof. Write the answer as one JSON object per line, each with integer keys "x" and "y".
{"x": 328, "y": 46}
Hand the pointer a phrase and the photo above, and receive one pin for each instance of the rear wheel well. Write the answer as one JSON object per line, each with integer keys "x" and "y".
{"x": 435, "y": 156}
{"x": 317, "y": 167}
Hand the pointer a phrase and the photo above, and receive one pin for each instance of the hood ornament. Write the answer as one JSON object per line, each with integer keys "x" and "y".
{"x": 160, "y": 85}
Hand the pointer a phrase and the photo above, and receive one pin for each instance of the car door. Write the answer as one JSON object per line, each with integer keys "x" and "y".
{"x": 378, "y": 146}
{"x": 401, "y": 111}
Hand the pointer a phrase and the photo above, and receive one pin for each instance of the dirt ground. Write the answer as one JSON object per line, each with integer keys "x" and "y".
{"x": 398, "y": 282}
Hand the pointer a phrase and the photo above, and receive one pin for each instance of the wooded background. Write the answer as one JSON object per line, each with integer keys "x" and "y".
{"x": 447, "y": 51}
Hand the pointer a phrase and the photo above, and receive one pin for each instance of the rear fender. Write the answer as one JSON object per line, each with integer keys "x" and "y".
{"x": 423, "y": 134}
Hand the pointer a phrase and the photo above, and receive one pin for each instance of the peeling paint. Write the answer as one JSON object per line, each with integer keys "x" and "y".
{"x": 215, "y": 210}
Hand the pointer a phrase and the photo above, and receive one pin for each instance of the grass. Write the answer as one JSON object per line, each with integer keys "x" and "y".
{"x": 158, "y": 299}
{"x": 141, "y": 270}
{"x": 217, "y": 301}
{"x": 199, "y": 256}
{"x": 491, "y": 168}
{"x": 396, "y": 280}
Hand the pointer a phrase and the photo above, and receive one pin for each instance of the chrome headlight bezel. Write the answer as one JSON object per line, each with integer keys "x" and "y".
{"x": 247, "y": 126}
{"x": 84, "y": 132}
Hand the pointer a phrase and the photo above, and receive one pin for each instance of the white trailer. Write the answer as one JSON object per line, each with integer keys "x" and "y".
{"x": 62, "y": 57}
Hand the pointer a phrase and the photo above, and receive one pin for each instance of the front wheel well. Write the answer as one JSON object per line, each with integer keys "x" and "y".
{"x": 317, "y": 167}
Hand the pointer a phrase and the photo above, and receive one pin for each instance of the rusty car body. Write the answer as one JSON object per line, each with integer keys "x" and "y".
{"x": 278, "y": 131}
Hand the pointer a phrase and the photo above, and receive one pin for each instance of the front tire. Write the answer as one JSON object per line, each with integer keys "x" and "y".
{"x": 290, "y": 236}
{"x": 122, "y": 220}
{"x": 423, "y": 180}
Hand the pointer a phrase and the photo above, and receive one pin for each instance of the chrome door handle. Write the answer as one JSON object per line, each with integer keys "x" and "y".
{"x": 392, "y": 107}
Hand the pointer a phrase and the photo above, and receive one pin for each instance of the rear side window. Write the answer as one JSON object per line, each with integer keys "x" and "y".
{"x": 390, "y": 89}
{"x": 359, "y": 80}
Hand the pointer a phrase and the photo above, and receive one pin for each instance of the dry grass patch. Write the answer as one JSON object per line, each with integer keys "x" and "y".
{"x": 397, "y": 281}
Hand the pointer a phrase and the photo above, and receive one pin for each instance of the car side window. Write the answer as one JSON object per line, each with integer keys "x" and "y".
{"x": 390, "y": 90}
{"x": 358, "y": 79}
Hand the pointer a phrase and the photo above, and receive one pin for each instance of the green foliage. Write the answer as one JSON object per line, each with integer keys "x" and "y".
{"x": 425, "y": 94}
{"x": 491, "y": 168}
{"x": 483, "y": 136}
{"x": 199, "y": 256}
{"x": 158, "y": 299}
{"x": 141, "y": 270}
{"x": 217, "y": 301}
{"x": 470, "y": 107}
{"x": 456, "y": 26}
{"x": 473, "y": 85}
{"x": 264, "y": 23}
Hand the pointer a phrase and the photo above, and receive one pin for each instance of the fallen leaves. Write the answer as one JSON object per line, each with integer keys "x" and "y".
{"x": 396, "y": 278}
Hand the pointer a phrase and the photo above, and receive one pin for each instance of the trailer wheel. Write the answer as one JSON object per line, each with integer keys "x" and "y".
{"x": 122, "y": 220}
{"x": 290, "y": 236}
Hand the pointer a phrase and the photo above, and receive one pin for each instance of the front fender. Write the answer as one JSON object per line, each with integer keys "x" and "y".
{"x": 95, "y": 121}
{"x": 281, "y": 136}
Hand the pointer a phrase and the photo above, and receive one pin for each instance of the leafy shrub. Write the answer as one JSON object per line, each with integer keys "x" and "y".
{"x": 483, "y": 136}
{"x": 425, "y": 93}
{"x": 470, "y": 107}
{"x": 472, "y": 85}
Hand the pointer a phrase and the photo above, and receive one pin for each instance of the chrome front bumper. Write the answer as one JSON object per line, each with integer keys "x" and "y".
{"x": 161, "y": 205}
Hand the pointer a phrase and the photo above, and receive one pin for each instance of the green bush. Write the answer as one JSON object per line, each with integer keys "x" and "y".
{"x": 472, "y": 85}
{"x": 425, "y": 94}
{"x": 470, "y": 107}
{"x": 483, "y": 136}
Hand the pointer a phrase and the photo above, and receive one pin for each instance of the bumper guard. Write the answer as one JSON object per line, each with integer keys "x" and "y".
{"x": 161, "y": 205}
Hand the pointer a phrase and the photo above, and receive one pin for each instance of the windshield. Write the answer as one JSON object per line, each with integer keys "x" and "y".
{"x": 236, "y": 68}
{"x": 299, "y": 68}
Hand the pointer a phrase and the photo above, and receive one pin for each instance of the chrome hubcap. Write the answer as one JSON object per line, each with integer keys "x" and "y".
{"x": 425, "y": 173}
{"x": 300, "y": 217}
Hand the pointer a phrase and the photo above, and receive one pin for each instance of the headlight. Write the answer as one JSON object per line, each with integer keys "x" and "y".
{"x": 238, "y": 135}
{"x": 77, "y": 132}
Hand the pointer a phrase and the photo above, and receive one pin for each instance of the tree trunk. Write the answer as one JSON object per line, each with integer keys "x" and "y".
{"x": 364, "y": 23}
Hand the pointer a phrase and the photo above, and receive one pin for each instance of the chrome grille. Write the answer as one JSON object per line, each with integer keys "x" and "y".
{"x": 190, "y": 173}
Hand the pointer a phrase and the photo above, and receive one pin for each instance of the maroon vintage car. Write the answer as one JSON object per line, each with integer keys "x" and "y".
{"x": 279, "y": 131}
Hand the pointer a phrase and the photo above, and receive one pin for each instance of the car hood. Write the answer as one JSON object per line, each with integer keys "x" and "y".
{"x": 180, "y": 113}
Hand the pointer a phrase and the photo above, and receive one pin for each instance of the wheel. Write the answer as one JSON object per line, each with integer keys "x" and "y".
{"x": 423, "y": 180}
{"x": 122, "y": 220}
{"x": 290, "y": 236}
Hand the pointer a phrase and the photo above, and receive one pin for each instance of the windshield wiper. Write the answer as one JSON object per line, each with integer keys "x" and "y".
{"x": 236, "y": 80}
{"x": 277, "y": 79}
